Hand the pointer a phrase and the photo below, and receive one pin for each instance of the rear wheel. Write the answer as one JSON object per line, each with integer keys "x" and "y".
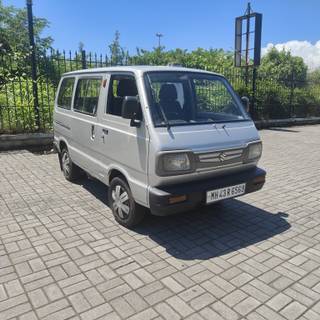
{"x": 70, "y": 171}
{"x": 125, "y": 210}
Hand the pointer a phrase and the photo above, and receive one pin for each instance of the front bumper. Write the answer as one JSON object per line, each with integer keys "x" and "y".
{"x": 196, "y": 191}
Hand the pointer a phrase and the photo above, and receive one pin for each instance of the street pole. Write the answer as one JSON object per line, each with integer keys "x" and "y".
{"x": 33, "y": 65}
{"x": 159, "y": 35}
{"x": 247, "y": 43}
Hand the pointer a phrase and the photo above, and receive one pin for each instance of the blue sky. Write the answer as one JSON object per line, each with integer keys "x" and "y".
{"x": 186, "y": 24}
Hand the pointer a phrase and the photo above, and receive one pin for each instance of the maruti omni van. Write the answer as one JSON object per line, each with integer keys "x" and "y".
{"x": 167, "y": 139}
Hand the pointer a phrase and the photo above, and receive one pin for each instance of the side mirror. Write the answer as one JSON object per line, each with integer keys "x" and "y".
{"x": 131, "y": 109}
{"x": 246, "y": 103}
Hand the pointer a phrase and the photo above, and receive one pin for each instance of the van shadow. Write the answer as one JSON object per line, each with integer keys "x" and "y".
{"x": 95, "y": 187}
{"x": 214, "y": 230}
{"x": 207, "y": 232}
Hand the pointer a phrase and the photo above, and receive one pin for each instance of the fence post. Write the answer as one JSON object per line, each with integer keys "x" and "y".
{"x": 33, "y": 65}
{"x": 83, "y": 59}
{"x": 292, "y": 85}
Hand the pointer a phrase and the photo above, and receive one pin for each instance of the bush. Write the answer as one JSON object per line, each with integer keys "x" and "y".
{"x": 17, "y": 105}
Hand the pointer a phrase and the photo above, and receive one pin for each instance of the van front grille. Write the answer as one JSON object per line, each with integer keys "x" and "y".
{"x": 221, "y": 158}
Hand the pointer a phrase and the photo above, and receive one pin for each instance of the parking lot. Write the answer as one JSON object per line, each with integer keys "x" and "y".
{"x": 62, "y": 255}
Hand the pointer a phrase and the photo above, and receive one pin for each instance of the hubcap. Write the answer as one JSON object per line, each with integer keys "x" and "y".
{"x": 120, "y": 204}
{"x": 66, "y": 163}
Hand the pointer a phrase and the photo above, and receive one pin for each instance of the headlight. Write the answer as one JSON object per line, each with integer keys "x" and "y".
{"x": 171, "y": 163}
{"x": 254, "y": 151}
{"x": 176, "y": 162}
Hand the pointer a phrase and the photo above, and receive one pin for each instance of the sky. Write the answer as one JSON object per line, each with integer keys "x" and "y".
{"x": 293, "y": 24}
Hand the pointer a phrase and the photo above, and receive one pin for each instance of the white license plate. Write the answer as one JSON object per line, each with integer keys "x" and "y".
{"x": 225, "y": 193}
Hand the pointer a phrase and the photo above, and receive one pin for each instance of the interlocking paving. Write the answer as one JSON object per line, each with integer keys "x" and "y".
{"x": 62, "y": 256}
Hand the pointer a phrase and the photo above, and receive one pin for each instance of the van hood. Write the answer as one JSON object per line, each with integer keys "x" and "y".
{"x": 206, "y": 137}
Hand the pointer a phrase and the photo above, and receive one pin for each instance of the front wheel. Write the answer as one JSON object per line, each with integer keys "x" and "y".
{"x": 125, "y": 210}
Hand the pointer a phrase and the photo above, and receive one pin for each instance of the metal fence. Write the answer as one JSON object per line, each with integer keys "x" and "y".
{"x": 27, "y": 105}
{"x": 23, "y": 109}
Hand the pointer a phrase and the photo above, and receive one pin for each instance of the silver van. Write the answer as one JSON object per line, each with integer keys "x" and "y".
{"x": 164, "y": 138}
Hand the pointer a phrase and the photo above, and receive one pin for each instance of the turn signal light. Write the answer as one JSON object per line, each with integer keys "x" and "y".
{"x": 258, "y": 180}
{"x": 176, "y": 199}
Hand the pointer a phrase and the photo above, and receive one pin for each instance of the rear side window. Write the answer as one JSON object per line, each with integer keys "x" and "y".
{"x": 87, "y": 95}
{"x": 65, "y": 93}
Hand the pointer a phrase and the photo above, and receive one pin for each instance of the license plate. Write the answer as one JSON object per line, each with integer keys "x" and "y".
{"x": 225, "y": 193}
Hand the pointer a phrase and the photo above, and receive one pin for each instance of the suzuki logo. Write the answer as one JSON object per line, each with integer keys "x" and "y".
{"x": 222, "y": 157}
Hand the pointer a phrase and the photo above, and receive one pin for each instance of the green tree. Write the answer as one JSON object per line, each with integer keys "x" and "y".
{"x": 212, "y": 59}
{"x": 14, "y": 30}
{"x": 314, "y": 76}
{"x": 14, "y": 43}
{"x": 282, "y": 65}
{"x": 117, "y": 53}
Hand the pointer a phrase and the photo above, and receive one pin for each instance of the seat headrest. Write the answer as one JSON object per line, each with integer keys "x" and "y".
{"x": 127, "y": 87}
{"x": 168, "y": 92}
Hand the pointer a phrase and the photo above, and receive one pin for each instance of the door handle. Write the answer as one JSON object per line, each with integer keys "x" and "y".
{"x": 93, "y": 134}
{"x": 104, "y": 133}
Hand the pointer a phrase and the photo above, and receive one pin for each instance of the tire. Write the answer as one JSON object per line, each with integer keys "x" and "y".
{"x": 125, "y": 210}
{"x": 70, "y": 171}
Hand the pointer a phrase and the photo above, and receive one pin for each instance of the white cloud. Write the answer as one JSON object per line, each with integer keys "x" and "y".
{"x": 304, "y": 49}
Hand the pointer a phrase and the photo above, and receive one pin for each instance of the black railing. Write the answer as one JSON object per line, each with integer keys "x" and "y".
{"x": 271, "y": 98}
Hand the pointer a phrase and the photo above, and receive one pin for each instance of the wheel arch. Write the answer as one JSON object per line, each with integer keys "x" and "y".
{"x": 115, "y": 172}
{"x": 62, "y": 143}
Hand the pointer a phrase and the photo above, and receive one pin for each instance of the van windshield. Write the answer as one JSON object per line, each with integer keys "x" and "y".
{"x": 183, "y": 98}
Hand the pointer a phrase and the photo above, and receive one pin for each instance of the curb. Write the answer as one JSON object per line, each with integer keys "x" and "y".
{"x": 264, "y": 124}
{"x": 25, "y": 140}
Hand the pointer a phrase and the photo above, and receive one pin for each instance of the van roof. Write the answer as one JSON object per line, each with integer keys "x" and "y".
{"x": 137, "y": 69}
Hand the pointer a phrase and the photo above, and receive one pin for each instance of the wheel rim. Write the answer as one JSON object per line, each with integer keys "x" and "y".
{"x": 66, "y": 163}
{"x": 121, "y": 202}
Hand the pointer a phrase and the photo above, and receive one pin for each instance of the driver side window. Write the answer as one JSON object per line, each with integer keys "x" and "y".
{"x": 120, "y": 86}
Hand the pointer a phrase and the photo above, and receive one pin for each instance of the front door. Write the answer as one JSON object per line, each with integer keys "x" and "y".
{"x": 123, "y": 147}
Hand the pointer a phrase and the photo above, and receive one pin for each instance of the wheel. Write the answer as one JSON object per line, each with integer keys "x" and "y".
{"x": 70, "y": 171}
{"x": 125, "y": 210}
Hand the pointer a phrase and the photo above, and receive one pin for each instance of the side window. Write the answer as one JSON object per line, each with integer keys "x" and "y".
{"x": 87, "y": 95}
{"x": 65, "y": 93}
{"x": 120, "y": 87}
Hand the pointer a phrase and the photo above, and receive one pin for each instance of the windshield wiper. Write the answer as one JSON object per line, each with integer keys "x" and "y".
{"x": 164, "y": 117}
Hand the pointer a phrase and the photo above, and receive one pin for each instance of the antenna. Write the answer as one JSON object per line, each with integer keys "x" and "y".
{"x": 248, "y": 11}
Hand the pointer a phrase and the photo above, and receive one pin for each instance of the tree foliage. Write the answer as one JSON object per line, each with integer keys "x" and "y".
{"x": 282, "y": 65}
{"x": 211, "y": 59}
{"x": 118, "y": 55}
{"x": 14, "y": 42}
{"x": 14, "y": 30}
{"x": 314, "y": 76}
